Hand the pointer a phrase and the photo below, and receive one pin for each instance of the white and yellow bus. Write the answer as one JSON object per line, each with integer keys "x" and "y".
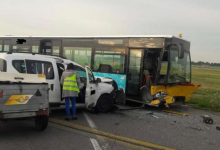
{"x": 151, "y": 69}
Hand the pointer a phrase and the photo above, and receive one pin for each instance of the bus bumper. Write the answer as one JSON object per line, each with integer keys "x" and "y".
{"x": 162, "y": 102}
{"x": 175, "y": 93}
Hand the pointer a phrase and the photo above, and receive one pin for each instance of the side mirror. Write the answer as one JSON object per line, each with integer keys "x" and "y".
{"x": 180, "y": 51}
{"x": 98, "y": 80}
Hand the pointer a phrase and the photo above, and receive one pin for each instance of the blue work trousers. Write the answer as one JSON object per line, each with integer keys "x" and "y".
{"x": 67, "y": 104}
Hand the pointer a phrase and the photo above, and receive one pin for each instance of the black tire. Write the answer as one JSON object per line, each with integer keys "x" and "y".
{"x": 104, "y": 103}
{"x": 208, "y": 120}
{"x": 41, "y": 122}
{"x": 147, "y": 106}
{"x": 162, "y": 105}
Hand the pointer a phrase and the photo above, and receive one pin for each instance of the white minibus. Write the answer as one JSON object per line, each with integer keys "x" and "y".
{"x": 94, "y": 95}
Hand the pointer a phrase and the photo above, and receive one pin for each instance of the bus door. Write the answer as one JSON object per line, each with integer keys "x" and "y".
{"x": 149, "y": 73}
{"x": 134, "y": 73}
{"x": 5, "y": 44}
{"x": 50, "y": 47}
{"x": 46, "y": 47}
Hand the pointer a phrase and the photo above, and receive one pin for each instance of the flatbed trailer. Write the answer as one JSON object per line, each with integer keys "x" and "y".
{"x": 24, "y": 96}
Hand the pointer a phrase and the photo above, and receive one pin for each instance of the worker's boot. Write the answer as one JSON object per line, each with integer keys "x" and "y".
{"x": 67, "y": 118}
{"x": 74, "y": 118}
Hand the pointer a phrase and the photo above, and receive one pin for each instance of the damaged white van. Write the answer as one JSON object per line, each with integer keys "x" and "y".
{"x": 94, "y": 95}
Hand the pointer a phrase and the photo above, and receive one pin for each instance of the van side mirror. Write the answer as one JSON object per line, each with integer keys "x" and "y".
{"x": 180, "y": 51}
{"x": 98, "y": 80}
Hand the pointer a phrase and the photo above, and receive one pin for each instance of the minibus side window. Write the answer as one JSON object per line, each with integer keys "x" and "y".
{"x": 19, "y": 65}
{"x": 3, "y": 65}
{"x": 40, "y": 67}
{"x": 81, "y": 72}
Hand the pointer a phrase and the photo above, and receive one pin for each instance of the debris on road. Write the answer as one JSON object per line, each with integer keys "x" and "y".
{"x": 155, "y": 116}
{"x": 207, "y": 119}
{"x": 218, "y": 127}
{"x": 152, "y": 114}
{"x": 129, "y": 108}
{"x": 196, "y": 128}
{"x": 176, "y": 112}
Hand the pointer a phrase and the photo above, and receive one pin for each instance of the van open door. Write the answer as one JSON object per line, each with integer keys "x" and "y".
{"x": 91, "y": 89}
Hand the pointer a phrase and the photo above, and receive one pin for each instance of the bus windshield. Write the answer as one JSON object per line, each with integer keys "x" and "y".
{"x": 179, "y": 70}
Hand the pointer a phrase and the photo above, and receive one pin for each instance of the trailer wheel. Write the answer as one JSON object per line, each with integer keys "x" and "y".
{"x": 41, "y": 122}
{"x": 104, "y": 103}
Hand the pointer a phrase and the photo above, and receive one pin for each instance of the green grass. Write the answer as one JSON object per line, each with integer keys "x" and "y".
{"x": 207, "y": 96}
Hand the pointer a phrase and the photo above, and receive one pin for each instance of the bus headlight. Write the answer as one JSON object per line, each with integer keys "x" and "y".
{"x": 160, "y": 95}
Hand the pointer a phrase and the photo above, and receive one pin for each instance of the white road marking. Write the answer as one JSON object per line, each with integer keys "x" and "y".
{"x": 95, "y": 144}
{"x": 155, "y": 116}
{"x": 92, "y": 125}
{"x": 90, "y": 122}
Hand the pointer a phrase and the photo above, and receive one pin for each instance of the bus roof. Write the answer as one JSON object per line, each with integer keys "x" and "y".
{"x": 105, "y": 36}
{"x": 116, "y": 36}
{"x": 102, "y": 36}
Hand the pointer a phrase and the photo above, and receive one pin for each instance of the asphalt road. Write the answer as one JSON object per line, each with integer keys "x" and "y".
{"x": 124, "y": 129}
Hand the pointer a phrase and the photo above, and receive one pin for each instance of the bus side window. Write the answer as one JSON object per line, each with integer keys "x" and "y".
{"x": 19, "y": 65}
{"x": 110, "y": 60}
{"x": 80, "y": 55}
{"x": 1, "y": 44}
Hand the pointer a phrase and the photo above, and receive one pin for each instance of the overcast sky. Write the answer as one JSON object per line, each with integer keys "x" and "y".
{"x": 197, "y": 20}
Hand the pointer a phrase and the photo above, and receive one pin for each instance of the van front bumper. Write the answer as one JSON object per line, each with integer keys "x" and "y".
{"x": 118, "y": 96}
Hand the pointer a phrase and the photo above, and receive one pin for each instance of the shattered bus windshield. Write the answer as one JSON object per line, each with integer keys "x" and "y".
{"x": 179, "y": 70}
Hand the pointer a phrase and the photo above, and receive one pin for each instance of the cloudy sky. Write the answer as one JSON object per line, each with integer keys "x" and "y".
{"x": 197, "y": 20}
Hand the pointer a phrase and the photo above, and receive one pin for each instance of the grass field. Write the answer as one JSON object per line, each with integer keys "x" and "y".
{"x": 207, "y": 96}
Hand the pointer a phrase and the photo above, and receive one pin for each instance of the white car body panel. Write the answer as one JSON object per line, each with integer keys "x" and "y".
{"x": 55, "y": 95}
{"x": 98, "y": 88}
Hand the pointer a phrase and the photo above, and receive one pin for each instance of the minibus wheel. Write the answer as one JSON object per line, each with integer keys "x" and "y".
{"x": 41, "y": 122}
{"x": 104, "y": 103}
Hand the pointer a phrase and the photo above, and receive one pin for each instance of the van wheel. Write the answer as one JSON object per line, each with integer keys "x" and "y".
{"x": 41, "y": 122}
{"x": 104, "y": 104}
